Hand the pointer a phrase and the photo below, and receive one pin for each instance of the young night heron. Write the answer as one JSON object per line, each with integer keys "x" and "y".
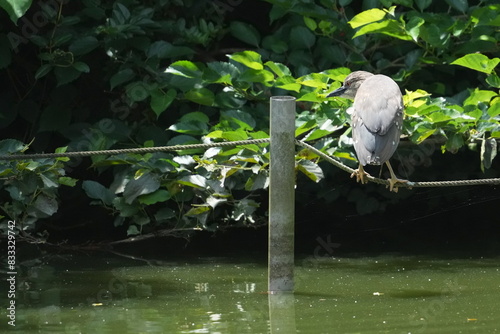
{"x": 377, "y": 119}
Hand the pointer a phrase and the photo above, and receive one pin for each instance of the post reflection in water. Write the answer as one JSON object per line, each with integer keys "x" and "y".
{"x": 282, "y": 312}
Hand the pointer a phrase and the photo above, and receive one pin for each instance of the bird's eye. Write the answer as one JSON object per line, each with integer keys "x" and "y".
{"x": 347, "y": 83}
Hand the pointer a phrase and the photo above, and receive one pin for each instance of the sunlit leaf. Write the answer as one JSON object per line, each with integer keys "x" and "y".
{"x": 311, "y": 170}
{"x": 279, "y": 69}
{"x": 288, "y": 83}
{"x": 368, "y": 16}
{"x": 388, "y": 27}
{"x": 479, "y": 95}
{"x": 67, "y": 181}
{"x": 250, "y": 59}
{"x": 195, "y": 181}
{"x": 185, "y": 68}
{"x": 15, "y": 8}
{"x": 261, "y": 76}
{"x": 477, "y": 62}
{"x": 202, "y": 96}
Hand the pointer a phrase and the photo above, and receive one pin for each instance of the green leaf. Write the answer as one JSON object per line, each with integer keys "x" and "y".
{"x": 81, "y": 67}
{"x": 214, "y": 201}
{"x": 423, "y": 4}
{"x": 477, "y": 62}
{"x": 460, "y": 5}
{"x": 126, "y": 210}
{"x": 494, "y": 110}
{"x": 311, "y": 97}
{"x": 195, "y": 116}
{"x": 145, "y": 184}
{"x": 83, "y": 45}
{"x": 310, "y": 23}
{"x": 45, "y": 204}
{"x": 137, "y": 91}
{"x": 121, "y": 77}
{"x": 43, "y": 71}
{"x": 160, "y": 195}
{"x": 161, "y": 100}
{"x": 275, "y": 44}
{"x": 388, "y": 27}
{"x": 235, "y": 135}
{"x": 197, "y": 210}
{"x": 96, "y": 190}
{"x": 454, "y": 142}
{"x": 413, "y": 27}
{"x": 185, "y": 68}
{"x": 8, "y": 146}
{"x": 311, "y": 170}
{"x": 279, "y": 69}
{"x": 195, "y": 181}
{"x": 245, "y": 32}
{"x": 164, "y": 214}
{"x": 257, "y": 181}
{"x": 288, "y": 83}
{"x": 159, "y": 49}
{"x": 250, "y": 59}
{"x": 368, "y": 16}
{"x": 195, "y": 123}
{"x": 261, "y": 76}
{"x": 220, "y": 72}
{"x": 493, "y": 80}
{"x": 316, "y": 80}
{"x": 133, "y": 230}
{"x": 302, "y": 38}
{"x": 201, "y": 96}
{"x": 479, "y": 95}
{"x": 15, "y": 8}
{"x": 244, "y": 120}
{"x": 67, "y": 181}
{"x": 65, "y": 75}
{"x": 488, "y": 152}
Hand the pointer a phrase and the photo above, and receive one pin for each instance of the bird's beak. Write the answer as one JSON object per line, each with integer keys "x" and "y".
{"x": 338, "y": 92}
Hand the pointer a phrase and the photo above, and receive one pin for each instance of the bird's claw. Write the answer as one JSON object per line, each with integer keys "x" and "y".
{"x": 361, "y": 175}
{"x": 393, "y": 182}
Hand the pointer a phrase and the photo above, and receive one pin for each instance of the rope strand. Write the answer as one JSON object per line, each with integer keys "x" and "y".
{"x": 326, "y": 157}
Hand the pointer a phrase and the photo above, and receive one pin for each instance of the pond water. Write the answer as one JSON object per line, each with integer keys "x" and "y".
{"x": 393, "y": 293}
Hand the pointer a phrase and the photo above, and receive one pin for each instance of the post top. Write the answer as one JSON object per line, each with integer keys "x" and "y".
{"x": 282, "y": 98}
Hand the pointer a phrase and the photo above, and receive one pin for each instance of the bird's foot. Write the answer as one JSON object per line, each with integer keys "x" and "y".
{"x": 360, "y": 174}
{"x": 393, "y": 181}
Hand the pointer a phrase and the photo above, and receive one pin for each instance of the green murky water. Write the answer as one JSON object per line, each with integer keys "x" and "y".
{"x": 383, "y": 294}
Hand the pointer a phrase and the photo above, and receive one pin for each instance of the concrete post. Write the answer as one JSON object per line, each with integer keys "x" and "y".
{"x": 281, "y": 195}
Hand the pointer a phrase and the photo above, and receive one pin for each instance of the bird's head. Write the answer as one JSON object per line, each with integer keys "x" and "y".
{"x": 351, "y": 84}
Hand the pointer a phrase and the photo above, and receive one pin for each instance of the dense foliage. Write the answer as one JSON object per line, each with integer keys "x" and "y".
{"x": 93, "y": 75}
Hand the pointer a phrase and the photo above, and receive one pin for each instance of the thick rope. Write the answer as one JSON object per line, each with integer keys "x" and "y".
{"x": 139, "y": 150}
{"x": 408, "y": 184}
{"x": 326, "y": 157}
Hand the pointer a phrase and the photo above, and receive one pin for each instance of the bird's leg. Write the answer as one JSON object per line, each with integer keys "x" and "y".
{"x": 393, "y": 180}
{"x": 360, "y": 174}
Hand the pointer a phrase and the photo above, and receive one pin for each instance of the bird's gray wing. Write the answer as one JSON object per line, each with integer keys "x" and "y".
{"x": 377, "y": 119}
{"x": 379, "y": 104}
